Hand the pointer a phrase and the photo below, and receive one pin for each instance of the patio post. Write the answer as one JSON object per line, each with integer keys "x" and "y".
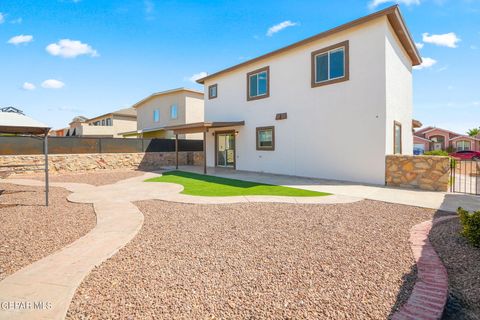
{"x": 205, "y": 151}
{"x": 176, "y": 151}
{"x": 45, "y": 150}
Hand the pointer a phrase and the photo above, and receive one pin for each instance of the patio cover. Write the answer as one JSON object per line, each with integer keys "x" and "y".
{"x": 13, "y": 121}
{"x": 200, "y": 127}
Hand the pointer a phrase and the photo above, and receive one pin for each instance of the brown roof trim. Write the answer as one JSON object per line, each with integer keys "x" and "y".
{"x": 163, "y": 93}
{"x": 416, "y": 124}
{"x": 393, "y": 14}
{"x": 204, "y": 126}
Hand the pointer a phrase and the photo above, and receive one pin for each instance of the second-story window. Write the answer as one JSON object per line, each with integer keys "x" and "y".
{"x": 103, "y": 122}
{"x": 156, "y": 115}
{"x": 173, "y": 111}
{"x": 109, "y": 122}
{"x": 258, "y": 84}
{"x": 330, "y": 65}
{"x": 212, "y": 91}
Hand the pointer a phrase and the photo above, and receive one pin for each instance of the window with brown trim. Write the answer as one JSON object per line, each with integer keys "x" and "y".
{"x": 213, "y": 91}
{"x": 397, "y": 137}
{"x": 331, "y": 64}
{"x": 266, "y": 138}
{"x": 258, "y": 84}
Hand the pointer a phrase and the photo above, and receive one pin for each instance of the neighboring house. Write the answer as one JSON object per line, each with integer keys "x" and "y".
{"x": 330, "y": 106}
{"x": 432, "y": 138}
{"x": 106, "y": 125}
{"x": 166, "y": 108}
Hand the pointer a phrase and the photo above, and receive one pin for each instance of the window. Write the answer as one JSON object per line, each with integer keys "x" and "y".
{"x": 266, "y": 138}
{"x": 103, "y": 122}
{"x": 156, "y": 115}
{"x": 109, "y": 122}
{"x": 258, "y": 86}
{"x": 463, "y": 145}
{"x": 330, "y": 65}
{"x": 212, "y": 91}
{"x": 397, "y": 138}
{"x": 173, "y": 111}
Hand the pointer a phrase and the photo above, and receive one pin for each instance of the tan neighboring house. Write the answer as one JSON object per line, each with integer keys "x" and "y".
{"x": 107, "y": 125}
{"x": 167, "y": 108}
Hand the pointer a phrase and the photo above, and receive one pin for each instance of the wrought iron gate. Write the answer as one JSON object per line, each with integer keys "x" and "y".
{"x": 465, "y": 176}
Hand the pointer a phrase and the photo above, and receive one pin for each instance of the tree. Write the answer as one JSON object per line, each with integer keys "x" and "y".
{"x": 473, "y": 132}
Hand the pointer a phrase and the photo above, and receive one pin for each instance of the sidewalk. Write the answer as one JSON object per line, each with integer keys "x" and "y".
{"x": 425, "y": 199}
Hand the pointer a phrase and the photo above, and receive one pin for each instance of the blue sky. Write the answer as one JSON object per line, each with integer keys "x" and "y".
{"x": 62, "y": 58}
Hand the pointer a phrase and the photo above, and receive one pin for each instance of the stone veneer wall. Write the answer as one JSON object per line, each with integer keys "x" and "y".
{"x": 419, "y": 172}
{"x": 59, "y": 163}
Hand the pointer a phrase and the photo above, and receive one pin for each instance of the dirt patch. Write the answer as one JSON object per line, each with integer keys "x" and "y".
{"x": 30, "y": 231}
{"x": 96, "y": 178}
{"x": 462, "y": 261}
{"x": 346, "y": 261}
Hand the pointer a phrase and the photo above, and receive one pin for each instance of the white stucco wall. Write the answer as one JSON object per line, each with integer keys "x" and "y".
{"x": 335, "y": 131}
{"x": 399, "y": 92}
{"x": 189, "y": 109}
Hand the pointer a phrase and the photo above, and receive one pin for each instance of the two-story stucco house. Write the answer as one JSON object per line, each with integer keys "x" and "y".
{"x": 330, "y": 106}
{"x": 107, "y": 125}
{"x": 167, "y": 108}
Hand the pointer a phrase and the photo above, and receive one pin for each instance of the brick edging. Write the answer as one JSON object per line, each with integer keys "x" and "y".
{"x": 429, "y": 294}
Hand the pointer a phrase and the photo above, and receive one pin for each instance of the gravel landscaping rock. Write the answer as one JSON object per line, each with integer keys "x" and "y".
{"x": 462, "y": 261}
{"x": 30, "y": 231}
{"x": 94, "y": 178}
{"x": 346, "y": 261}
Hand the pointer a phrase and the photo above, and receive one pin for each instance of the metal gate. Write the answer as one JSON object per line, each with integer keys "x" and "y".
{"x": 465, "y": 176}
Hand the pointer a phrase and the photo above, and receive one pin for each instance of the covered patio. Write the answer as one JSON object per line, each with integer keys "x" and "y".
{"x": 14, "y": 122}
{"x": 200, "y": 127}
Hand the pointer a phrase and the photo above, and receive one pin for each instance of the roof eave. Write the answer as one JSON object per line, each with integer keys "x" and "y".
{"x": 393, "y": 13}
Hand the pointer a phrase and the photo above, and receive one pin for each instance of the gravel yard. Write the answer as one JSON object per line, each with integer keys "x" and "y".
{"x": 30, "y": 231}
{"x": 257, "y": 261}
{"x": 97, "y": 178}
{"x": 462, "y": 261}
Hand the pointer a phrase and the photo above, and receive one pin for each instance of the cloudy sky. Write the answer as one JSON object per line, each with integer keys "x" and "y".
{"x": 62, "y": 58}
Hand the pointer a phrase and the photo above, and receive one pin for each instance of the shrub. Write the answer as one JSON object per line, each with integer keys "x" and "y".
{"x": 436, "y": 153}
{"x": 471, "y": 226}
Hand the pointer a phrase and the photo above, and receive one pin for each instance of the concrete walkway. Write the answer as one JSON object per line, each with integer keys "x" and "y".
{"x": 425, "y": 199}
{"x": 54, "y": 279}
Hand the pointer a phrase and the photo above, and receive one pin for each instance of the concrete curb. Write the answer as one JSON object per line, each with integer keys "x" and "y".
{"x": 429, "y": 296}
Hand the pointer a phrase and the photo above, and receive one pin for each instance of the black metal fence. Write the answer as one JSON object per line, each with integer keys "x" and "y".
{"x": 465, "y": 177}
{"x": 17, "y": 145}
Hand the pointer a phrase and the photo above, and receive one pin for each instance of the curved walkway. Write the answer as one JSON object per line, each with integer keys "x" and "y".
{"x": 430, "y": 292}
{"x": 47, "y": 286}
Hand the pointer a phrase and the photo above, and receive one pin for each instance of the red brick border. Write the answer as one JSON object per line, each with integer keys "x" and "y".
{"x": 429, "y": 294}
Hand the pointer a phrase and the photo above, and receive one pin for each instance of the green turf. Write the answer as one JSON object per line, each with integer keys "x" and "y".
{"x": 203, "y": 185}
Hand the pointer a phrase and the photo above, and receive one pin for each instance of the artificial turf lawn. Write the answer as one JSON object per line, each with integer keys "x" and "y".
{"x": 203, "y": 185}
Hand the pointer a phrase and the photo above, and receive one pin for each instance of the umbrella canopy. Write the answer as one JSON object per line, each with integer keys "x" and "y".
{"x": 14, "y": 122}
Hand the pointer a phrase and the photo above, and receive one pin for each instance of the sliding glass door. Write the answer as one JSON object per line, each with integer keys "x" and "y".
{"x": 225, "y": 149}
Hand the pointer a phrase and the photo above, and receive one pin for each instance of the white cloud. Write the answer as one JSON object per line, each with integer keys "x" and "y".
{"x": 444, "y": 40}
{"x": 279, "y": 27}
{"x": 52, "y": 84}
{"x": 196, "y": 76}
{"x": 426, "y": 63}
{"x": 67, "y": 48}
{"x": 374, "y": 3}
{"x": 28, "y": 86}
{"x": 20, "y": 39}
{"x": 17, "y": 21}
{"x": 419, "y": 45}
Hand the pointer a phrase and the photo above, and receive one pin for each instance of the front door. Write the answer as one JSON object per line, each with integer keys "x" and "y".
{"x": 225, "y": 149}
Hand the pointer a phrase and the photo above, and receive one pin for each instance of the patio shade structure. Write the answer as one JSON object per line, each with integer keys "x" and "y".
{"x": 200, "y": 127}
{"x": 13, "y": 121}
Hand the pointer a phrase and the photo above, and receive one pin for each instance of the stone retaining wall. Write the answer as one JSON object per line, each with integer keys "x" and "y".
{"x": 419, "y": 172}
{"x": 59, "y": 163}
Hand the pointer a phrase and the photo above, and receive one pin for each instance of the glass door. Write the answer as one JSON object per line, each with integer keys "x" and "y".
{"x": 225, "y": 149}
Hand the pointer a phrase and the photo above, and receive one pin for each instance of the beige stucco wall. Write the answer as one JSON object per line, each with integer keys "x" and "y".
{"x": 123, "y": 124}
{"x": 61, "y": 163}
{"x": 190, "y": 108}
{"x": 119, "y": 124}
{"x": 335, "y": 131}
{"x": 419, "y": 172}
